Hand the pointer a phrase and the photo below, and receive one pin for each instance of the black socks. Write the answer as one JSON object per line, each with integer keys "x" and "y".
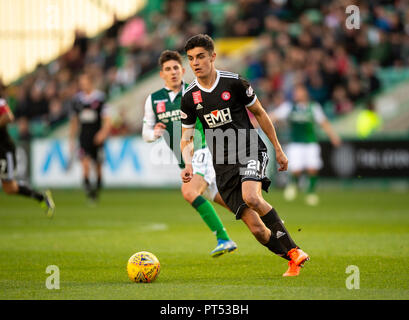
{"x": 280, "y": 241}
{"x": 31, "y": 193}
{"x": 87, "y": 186}
{"x": 92, "y": 192}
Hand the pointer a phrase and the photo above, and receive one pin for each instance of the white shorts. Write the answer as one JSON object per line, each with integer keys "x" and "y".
{"x": 202, "y": 164}
{"x": 304, "y": 156}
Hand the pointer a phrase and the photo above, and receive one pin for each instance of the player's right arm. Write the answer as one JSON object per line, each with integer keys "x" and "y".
{"x": 186, "y": 147}
{"x": 188, "y": 119}
{"x": 151, "y": 130}
{"x": 280, "y": 113}
{"x": 6, "y": 115}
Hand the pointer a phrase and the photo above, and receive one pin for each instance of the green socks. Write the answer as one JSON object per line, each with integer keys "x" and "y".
{"x": 312, "y": 184}
{"x": 295, "y": 180}
{"x": 209, "y": 215}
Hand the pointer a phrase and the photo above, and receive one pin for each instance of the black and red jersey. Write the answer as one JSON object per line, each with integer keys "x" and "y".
{"x": 222, "y": 110}
{"x": 90, "y": 110}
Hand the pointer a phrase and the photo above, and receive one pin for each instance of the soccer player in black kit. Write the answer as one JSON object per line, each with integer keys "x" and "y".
{"x": 90, "y": 117}
{"x": 8, "y": 166}
{"x": 220, "y": 100}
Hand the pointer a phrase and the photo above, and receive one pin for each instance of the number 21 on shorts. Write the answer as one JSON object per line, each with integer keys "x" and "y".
{"x": 253, "y": 165}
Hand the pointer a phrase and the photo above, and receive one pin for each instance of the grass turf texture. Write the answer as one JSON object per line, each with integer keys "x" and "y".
{"x": 91, "y": 247}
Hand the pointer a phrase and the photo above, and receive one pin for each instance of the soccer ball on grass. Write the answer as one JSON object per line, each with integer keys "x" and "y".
{"x": 143, "y": 267}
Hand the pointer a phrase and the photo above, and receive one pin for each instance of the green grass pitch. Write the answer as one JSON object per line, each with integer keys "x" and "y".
{"x": 91, "y": 246}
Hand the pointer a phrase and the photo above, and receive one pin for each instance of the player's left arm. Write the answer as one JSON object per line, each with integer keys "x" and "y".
{"x": 267, "y": 126}
{"x": 151, "y": 130}
{"x": 322, "y": 120}
{"x": 103, "y": 133}
{"x": 329, "y": 130}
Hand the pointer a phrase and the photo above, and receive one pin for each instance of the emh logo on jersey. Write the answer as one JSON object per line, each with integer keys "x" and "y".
{"x": 218, "y": 118}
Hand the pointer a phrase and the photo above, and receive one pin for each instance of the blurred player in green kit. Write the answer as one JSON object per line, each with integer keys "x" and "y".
{"x": 303, "y": 150}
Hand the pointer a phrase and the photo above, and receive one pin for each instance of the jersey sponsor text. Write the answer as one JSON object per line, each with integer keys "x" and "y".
{"x": 218, "y": 117}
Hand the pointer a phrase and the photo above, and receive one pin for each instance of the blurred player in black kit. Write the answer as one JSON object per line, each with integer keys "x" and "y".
{"x": 89, "y": 117}
{"x": 8, "y": 165}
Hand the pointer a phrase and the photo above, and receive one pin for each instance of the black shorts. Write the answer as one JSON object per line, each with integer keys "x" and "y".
{"x": 229, "y": 179}
{"x": 89, "y": 149}
{"x": 7, "y": 164}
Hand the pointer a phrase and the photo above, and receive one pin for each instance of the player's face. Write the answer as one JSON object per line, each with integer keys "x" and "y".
{"x": 172, "y": 72}
{"x": 201, "y": 61}
{"x": 85, "y": 84}
{"x": 300, "y": 95}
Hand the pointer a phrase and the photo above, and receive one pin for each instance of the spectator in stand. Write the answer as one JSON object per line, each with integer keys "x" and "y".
{"x": 354, "y": 88}
{"x": 317, "y": 89}
{"x": 342, "y": 104}
{"x": 114, "y": 30}
{"x": 56, "y": 112}
{"x": 370, "y": 81}
{"x": 368, "y": 120}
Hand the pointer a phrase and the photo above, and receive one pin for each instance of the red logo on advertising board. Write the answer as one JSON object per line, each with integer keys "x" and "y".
{"x": 226, "y": 95}
{"x": 160, "y": 107}
{"x": 197, "y": 97}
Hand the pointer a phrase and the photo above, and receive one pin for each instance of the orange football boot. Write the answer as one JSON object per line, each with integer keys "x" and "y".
{"x": 298, "y": 256}
{"x": 293, "y": 270}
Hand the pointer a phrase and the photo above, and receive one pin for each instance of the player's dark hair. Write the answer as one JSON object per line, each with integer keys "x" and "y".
{"x": 200, "y": 40}
{"x": 168, "y": 55}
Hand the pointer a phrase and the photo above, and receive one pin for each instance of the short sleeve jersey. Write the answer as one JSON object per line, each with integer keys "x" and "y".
{"x": 302, "y": 119}
{"x": 221, "y": 107}
{"x": 165, "y": 110}
{"x": 5, "y": 140}
{"x": 90, "y": 110}
{"x": 162, "y": 108}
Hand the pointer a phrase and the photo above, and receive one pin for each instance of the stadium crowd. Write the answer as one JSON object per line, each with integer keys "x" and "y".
{"x": 301, "y": 42}
{"x": 314, "y": 47}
